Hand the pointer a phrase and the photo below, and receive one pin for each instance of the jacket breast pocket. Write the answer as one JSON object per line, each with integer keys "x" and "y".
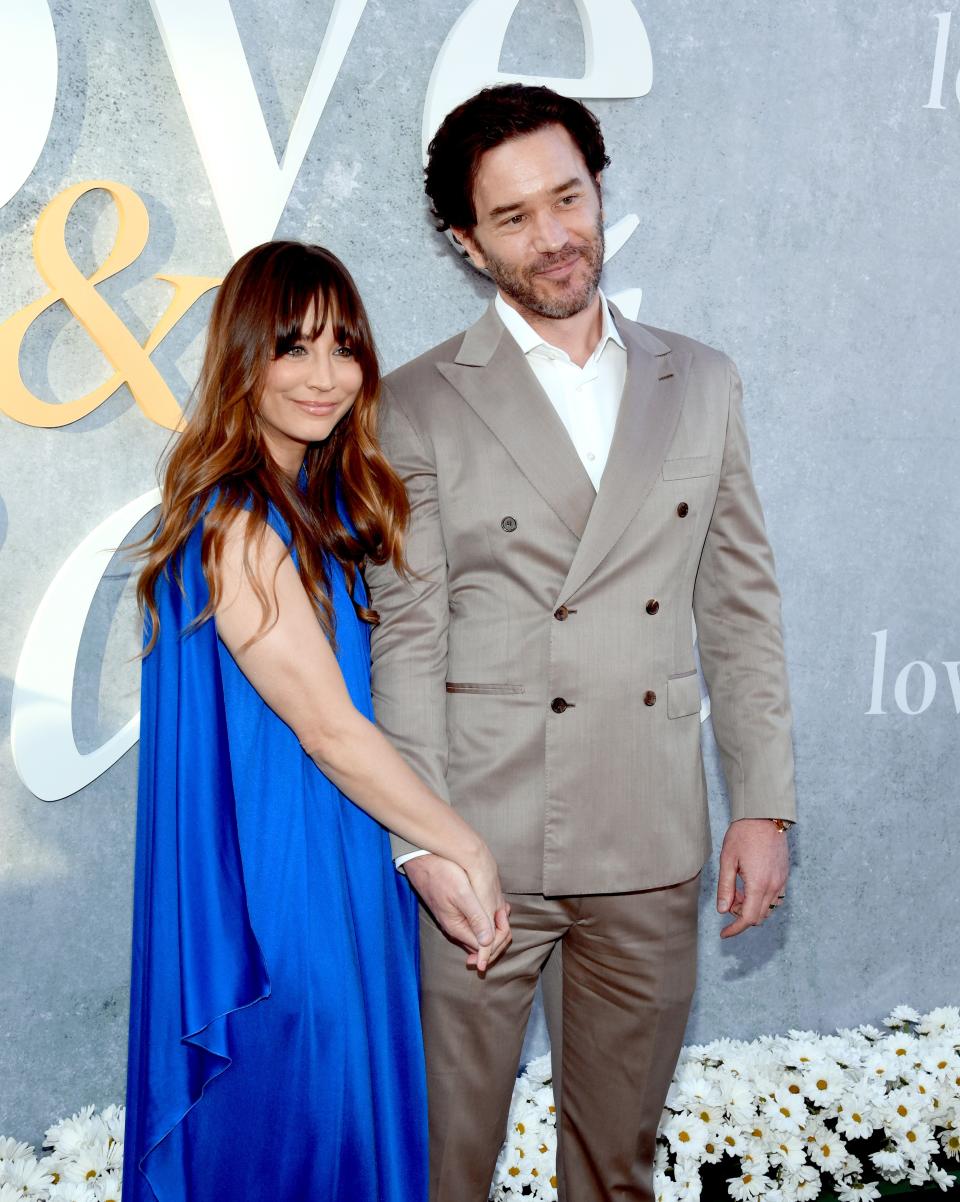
{"x": 684, "y": 469}
{"x": 495, "y": 690}
{"x": 683, "y": 695}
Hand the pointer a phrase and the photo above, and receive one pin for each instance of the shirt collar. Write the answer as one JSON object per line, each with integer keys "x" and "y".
{"x": 529, "y": 340}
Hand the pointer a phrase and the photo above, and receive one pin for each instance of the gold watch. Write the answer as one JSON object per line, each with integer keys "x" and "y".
{"x": 782, "y": 824}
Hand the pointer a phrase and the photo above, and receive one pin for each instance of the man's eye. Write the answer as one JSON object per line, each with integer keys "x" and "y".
{"x": 516, "y": 219}
{"x": 568, "y": 200}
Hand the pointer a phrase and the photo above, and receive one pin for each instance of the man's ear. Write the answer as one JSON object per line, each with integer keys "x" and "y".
{"x": 471, "y": 246}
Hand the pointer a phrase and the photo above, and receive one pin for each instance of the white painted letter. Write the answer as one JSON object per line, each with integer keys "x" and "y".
{"x": 28, "y": 88}
{"x": 41, "y": 721}
{"x": 953, "y": 675}
{"x": 879, "y": 668}
{"x": 940, "y": 62}
{"x": 205, "y": 51}
{"x": 929, "y": 687}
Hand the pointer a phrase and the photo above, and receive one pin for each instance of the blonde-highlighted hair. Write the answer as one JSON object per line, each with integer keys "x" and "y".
{"x": 220, "y": 462}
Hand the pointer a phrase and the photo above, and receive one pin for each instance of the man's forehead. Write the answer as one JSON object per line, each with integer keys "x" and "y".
{"x": 519, "y": 168}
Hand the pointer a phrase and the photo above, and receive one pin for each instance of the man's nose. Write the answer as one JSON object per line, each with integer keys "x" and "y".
{"x": 550, "y": 234}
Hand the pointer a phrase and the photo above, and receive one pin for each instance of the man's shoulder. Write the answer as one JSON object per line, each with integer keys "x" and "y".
{"x": 650, "y": 336}
{"x": 411, "y": 379}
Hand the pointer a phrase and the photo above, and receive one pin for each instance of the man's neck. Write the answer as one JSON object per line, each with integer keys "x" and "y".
{"x": 577, "y": 335}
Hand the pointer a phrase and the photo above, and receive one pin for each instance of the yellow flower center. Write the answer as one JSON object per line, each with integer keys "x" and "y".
{"x": 821, "y": 1084}
{"x": 785, "y": 1111}
{"x": 954, "y": 1141}
{"x": 747, "y": 1178}
{"x": 513, "y": 1171}
{"x": 794, "y": 1088}
{"x": 912, "y": 1136}
{"x": 705, "y": 1115}
{"x": 684, "y": 1137}
{"x": 901, "y": 1051}
{"x": 825, "y": 1149}
{"x": 521, "y": 1128}
{"x": 91, "y": 1173}
{"x": 728, "y": 1139}
{"x": 553, "y": 1182}
{"x": 856, "y": 1117}
{"x": 710, "y": 1149}
{"x": 902, "y": 1111}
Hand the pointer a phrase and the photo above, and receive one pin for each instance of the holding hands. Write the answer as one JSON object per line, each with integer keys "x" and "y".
{"x": 469, "y": 907}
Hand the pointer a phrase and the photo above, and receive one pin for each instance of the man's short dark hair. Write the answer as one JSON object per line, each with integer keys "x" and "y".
{"x": 484, "y": 121}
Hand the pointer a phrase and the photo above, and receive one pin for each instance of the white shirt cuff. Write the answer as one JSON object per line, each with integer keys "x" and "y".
{"x": 399, "y": 862}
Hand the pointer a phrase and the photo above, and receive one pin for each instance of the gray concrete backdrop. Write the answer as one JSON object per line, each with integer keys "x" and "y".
{"x": 798, "y": 208}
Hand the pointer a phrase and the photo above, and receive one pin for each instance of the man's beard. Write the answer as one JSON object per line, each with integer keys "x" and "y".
{"x": 520, "y": 283}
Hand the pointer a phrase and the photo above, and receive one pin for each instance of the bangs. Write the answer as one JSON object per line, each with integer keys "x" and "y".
{"x": 316, "y": 293}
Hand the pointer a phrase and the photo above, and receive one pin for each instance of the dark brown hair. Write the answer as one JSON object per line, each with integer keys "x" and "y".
{"x": 493, "y": 116}
{"x": 221, "y": 454}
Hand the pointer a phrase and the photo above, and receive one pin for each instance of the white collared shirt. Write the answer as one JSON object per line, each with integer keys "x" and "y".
{"x": 587, "y": 399}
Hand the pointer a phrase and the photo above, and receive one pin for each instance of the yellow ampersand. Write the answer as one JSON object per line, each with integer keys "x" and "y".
{"x": 130, "y": 359}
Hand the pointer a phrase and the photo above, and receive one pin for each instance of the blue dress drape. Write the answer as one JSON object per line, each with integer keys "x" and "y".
{"x": 275, "y": 1047}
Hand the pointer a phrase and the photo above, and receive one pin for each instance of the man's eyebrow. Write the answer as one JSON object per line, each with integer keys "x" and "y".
{"x": 502, "y": 210}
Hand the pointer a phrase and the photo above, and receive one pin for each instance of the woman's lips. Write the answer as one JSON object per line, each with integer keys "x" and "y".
{"x": 318, "y": 408}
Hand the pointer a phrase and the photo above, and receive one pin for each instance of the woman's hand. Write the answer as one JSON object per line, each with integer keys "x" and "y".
{"x": 469, "y": 908}
{"x": 484, "y": 879}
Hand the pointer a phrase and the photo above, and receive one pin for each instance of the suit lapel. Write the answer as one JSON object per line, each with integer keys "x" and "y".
{"x": 646, "y": 423}
{"x": 492, "y": 375}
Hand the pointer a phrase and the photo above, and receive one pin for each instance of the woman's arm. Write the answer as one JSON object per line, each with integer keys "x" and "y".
{"x": 294, "y": 670}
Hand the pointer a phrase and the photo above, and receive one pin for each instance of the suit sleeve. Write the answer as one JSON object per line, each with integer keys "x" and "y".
{"x": 737, "y": 609}
{"x": 409, "y": 647}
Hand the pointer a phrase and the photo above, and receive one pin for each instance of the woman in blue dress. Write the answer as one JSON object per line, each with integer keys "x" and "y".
{"x": 275, "y": 1046}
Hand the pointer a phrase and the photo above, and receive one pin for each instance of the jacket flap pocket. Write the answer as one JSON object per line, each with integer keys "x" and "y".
{"x": 683, "y": 695}
{"x": 683, "y": 469}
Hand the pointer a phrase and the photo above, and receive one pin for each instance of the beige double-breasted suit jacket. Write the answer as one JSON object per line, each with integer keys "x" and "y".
{"x": 537, "y": 667}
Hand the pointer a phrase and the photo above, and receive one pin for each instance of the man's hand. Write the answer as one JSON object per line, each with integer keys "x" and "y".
{"x": 445, "y": 890}
{"x": 757, "y": 852}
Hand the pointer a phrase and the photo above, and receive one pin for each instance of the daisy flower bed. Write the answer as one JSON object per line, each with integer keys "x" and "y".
{"x": 853, "y": 1116}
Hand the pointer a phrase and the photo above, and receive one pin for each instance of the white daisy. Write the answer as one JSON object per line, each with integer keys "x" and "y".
{"x": 107, "y": 1188}
{"x": 789, "y": 1154}
{"x": 787, "y": 1115}
{"x": 26, "y": 1175}
{"x": 950, "y": 1142}
{"x": 944, "y": 1019}
{"x": 803, "y": 1186}
{"x": 891, "y": 1162}
{"x": 942, "y": 1178}
{"x": 828, "y": 1152}
{"x": 747, "y": 1186}
{"x": 855, "y": 1113}
{"x": 901, "y": 1015}
{"x": 917, "y": 1142}
{"x": 858, "y": 1191}
{"x": 823, "y": 1081}
{"x": 686, "y": 1134}
{"x": 12, "y": 1149}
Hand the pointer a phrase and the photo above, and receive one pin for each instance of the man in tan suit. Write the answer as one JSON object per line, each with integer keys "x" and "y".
{"x": 580, "y": 485}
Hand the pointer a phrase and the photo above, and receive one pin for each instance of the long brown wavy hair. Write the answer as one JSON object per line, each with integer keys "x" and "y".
{"x": 258, "y": 315}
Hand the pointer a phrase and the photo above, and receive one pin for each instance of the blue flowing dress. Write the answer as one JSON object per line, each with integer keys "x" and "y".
{"x": 275, "y": 1047}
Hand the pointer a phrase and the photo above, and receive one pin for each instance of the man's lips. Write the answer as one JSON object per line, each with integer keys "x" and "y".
{"x": 561, "y": 269}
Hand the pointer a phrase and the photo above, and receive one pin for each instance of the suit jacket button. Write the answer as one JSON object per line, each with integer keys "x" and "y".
{"x": 653, "y": 606}
{"x": 509, "y": 525}
{"x": 683, "y": 509}
{"x": 561, "y": 614}
{"x": 649, "y": 697}
{"x": 558, "y": 705}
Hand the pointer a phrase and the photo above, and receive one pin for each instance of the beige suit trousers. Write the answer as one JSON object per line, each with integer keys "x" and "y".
{"x": 628, "y": 973}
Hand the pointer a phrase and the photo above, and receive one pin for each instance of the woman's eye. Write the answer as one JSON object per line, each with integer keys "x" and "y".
{"x": 345, "y": 351}
{"x": 296, "y": 351}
